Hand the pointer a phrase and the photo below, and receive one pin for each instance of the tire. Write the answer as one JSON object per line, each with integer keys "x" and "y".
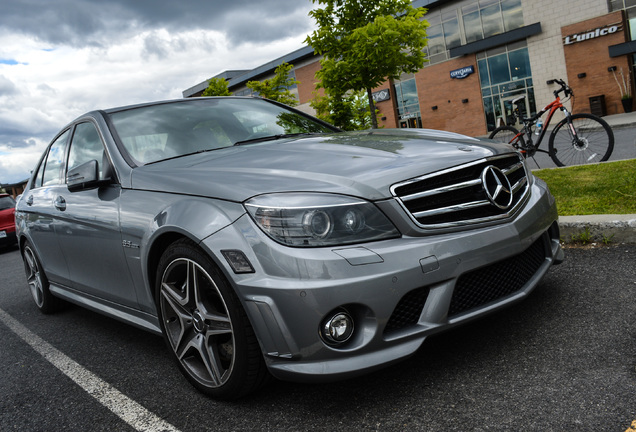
{"x": 507, "y": 134}
{"x": 205, "y": 325}
{"x": 38, "y": 282}
{"x": 595, "y": 141}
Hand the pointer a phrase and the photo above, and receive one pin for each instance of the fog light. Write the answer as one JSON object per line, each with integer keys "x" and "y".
{"x": 337, "y": 328}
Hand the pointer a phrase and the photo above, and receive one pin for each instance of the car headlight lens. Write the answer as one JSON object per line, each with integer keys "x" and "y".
{"x": 315, "y": 219}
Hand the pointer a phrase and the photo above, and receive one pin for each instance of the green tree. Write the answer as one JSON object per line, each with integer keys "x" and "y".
{"x": 217, "y": 87}
{"x": 277, "y": 88}
{"x": 348, "y": 112}
{"x": 366, "y": 42}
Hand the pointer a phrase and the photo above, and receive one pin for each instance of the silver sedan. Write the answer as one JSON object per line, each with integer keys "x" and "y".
{"x": 260, "y": 241}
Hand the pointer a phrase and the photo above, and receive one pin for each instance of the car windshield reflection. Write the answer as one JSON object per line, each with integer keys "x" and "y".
{"x": 157, "y": 132}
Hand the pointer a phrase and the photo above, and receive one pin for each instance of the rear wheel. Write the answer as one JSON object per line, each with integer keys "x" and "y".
{"x": 509, "y": 135}
{"x": 205, "y": 326}
{"x": 38, "y": 282}
{"x": 594, "y": 141}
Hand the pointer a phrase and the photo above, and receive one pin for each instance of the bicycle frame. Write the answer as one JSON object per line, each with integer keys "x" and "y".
{"x": 530, "y": 147}
{"x": 552, "y": 107}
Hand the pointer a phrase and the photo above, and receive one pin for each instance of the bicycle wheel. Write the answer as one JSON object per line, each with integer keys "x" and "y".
{"x": 508, "y": 135}
{"x": 594, "y": 142}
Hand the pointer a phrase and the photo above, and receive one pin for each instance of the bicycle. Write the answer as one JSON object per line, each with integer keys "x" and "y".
{"x": 575, "y": 140}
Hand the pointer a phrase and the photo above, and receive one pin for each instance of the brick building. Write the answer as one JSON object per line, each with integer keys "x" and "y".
{"x": 484, "y": 53}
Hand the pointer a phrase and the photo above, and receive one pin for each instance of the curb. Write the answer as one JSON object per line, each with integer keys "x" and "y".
{"x": 598, "y": 228}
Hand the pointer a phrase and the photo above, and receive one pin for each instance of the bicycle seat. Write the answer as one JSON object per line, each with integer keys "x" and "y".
{"x": 518, "y": 99}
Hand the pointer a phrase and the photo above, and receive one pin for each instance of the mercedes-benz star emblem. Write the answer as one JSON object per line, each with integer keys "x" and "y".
{"x": 497, "y": 187}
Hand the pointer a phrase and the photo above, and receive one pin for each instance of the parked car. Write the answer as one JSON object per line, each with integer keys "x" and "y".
{"x": 7, "y": 220}
{"x": 261, "y": 241}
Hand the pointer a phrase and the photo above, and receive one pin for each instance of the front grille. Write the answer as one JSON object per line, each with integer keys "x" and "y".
{"x": 459, "y": 195}
{"x": 498, "y": 280}
{"x": 408, "y": 310}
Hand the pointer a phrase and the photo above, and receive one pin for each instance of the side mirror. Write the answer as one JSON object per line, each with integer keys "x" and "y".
{"x": 84, "y": 176}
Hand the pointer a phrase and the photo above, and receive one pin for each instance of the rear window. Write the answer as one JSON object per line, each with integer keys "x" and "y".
{"x": 6, "y": 202}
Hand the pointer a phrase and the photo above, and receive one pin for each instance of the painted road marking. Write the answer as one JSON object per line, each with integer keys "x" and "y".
{"x": 121, "y": 405}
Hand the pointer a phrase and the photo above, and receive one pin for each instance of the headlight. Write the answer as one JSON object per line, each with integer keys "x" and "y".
{"x": 315, "y": 219}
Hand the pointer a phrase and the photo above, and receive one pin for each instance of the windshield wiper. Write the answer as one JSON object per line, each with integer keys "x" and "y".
{"x": 272, "y": 137}
{"x": 183, "y": 155}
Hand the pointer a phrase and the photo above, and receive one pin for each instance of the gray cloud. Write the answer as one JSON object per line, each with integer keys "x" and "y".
{"x": 162, "y": 47}
{"x": 7, "y": 87}
{"x": 99, "y": 23}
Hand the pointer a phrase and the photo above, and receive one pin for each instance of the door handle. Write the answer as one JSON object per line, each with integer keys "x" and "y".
{"x": 60, "y": 203}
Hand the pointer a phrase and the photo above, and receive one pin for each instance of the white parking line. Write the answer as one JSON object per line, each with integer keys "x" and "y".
{"x": 125, "y": 408}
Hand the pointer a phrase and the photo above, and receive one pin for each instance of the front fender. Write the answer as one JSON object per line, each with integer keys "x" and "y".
{"x": 150, "y": 221}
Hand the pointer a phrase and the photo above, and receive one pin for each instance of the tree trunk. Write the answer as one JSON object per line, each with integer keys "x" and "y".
{"x": 374, "y": 118}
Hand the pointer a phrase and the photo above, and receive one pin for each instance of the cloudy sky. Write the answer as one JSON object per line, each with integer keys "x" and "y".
{"x": 59, "y": 59}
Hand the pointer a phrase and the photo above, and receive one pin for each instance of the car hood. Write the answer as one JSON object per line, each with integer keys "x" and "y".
{"x": 363, "y": 164}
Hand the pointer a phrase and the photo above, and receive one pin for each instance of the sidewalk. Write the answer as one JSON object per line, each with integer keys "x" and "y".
{"x": 621, "y": 120}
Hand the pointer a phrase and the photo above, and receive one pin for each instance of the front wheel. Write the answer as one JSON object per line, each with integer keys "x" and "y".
{"x": 205, "y": 326}
{"x": 589, "y": 139}
{"x": 509, "y": 135}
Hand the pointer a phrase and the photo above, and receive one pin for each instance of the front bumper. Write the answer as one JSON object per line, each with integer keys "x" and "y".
{"x": 398, "y": 291}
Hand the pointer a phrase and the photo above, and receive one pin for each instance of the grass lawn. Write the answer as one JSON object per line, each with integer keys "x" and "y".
{"x": 605, "y": 188}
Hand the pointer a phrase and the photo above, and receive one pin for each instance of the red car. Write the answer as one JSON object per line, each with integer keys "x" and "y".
{"x": 7, "y": 220}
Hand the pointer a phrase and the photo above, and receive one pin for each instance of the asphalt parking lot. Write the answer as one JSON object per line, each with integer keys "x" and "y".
{"x": 564, "y": 359}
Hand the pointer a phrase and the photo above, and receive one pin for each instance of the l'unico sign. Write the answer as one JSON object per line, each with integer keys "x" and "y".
{"x": 592, "y": 34}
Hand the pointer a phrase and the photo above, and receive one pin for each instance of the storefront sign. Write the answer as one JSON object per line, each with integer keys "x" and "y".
{"x": 408, "y": 116}
{"x": 462, "y": 73}
{"x": 592, "y": 34}
{"x": 381, "y": 96}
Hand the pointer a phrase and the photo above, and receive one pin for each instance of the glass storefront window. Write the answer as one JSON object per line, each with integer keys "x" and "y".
{"x": 490, "y": 113}
{"x": 484, "y": 76}
{"x": 512, "y": 14}
{"x": 504, "y": 75}
{"x": 472, "y": 23}
{"x": 451, "y": 33}
{"x": 498, "y": 69}
{"x": 408, "y": 105}
{"x": 435, "y": 40}
{"x": 491, "y": 20}
{"x": 409, "y": 92}
{"x": 519, "y": 64}
{"x": 453, "y": 26}
{"x": 630, "y": 8}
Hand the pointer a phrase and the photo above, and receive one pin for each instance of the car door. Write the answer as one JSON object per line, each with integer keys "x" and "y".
{"x": 41, "y": 215}
{"x": 89, "y": 231}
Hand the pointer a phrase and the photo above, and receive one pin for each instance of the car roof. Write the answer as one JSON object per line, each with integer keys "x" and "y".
{"x": 169, "y": 101}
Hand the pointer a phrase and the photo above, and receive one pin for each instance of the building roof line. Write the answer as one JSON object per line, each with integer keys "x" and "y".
{"x": 243, "y": 76}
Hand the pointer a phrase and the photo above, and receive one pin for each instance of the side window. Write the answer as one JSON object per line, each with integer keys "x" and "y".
{"x": 86, "y": 146}
{"x": 54, "y": 161}
{"x": 38, "y": 177}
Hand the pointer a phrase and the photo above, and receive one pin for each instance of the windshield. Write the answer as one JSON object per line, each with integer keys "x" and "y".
{"x": 6, "y": 202}
{"x": 156, "y": 132}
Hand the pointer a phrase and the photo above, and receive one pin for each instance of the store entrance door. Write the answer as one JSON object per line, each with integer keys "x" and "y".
{"x": 507, "y": 109}
{"x": 412, "y": 121}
